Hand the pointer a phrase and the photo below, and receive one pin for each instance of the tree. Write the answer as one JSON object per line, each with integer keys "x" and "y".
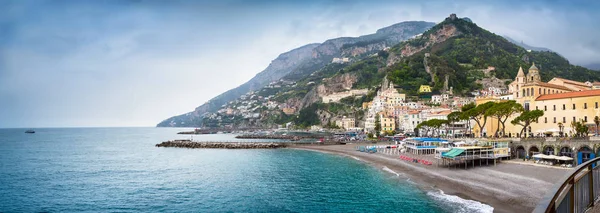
{"x": 436, "y": 124}
{"x": 478, "y": 114}
{"x": 377, "y": 125}
{"x": 581, "y": 130}
{"x": 433, "y": 125}
{"x": 560, "y": 128}
{"x": 526, "y": 118}
{"x": 597, "y": 122}
{"x": 424, "y": 125}
{"x": 465, "y": 116}
{"x": 453, "y": 117}
{"x": 502, "y": 111}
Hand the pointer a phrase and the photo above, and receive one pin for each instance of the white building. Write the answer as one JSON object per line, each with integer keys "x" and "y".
{"x": 436, "y": 99}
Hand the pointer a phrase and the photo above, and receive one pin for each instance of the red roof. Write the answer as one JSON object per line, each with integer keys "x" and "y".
{"x": 577, "y": 94}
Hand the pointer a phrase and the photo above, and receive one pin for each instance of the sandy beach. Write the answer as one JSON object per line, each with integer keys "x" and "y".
{"x": 508, "y": 187}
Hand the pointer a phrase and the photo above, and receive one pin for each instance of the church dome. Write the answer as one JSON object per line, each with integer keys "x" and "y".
{"x": 533, "y": 67}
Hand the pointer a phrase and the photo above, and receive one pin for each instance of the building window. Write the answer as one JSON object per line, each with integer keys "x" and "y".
{"x": 544, "y": 91}
{"x": 564, "y": 120}
{"x": 554, "y": 107}
{"x": 523, "y": 93}
{"x": 573, "y": 106}
{"x": 545, "y": 108}
{"x": 536, "y": 107}
{"x": 564, "y": 107}
{"x": 585, "y": 118}
{"x": 545, "y": 120}
{"x": 584, "y": 105}
{"x": 540, "y": 91}
{"x": 554, "y": 119}
{"x": 574, "y": 119}
{"x": 596, "y": 105}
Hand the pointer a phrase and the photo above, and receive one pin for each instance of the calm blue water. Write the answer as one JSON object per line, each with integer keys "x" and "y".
{"x": 119, "y": 169}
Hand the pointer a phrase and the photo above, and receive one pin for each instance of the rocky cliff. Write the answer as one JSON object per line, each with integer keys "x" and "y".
{"x": 303, "y": 61}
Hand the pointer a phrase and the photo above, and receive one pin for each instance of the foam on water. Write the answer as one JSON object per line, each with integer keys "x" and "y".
{"x": 390, "y": 171}
{"x": 355, "y": 158}
{"x": 460, "y": 205}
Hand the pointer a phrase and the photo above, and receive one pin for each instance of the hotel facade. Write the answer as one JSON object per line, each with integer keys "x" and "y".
{"x": 561, "y": 100}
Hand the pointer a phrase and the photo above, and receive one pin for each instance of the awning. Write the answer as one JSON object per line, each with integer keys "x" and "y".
{"x": 565, "y": 158}
{"x": 453, "y": 153}
{"x": 460, "y": 143}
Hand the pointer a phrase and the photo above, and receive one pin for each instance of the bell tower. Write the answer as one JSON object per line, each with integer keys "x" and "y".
{"x": 534, "y": 74}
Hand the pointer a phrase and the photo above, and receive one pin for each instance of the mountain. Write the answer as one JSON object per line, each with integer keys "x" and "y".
{"x": 527, "y": 47}
{"x": 304, "y": 61}
{"x": 459, "y": 54}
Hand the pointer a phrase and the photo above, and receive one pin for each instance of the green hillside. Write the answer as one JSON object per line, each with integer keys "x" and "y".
{"x": 472, "y": 48}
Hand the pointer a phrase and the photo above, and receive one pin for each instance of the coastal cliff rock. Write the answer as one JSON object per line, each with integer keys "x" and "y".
{"x": 329, "y": 86}
{"x": 302, "y": 62}
{"x": 424, "y": 41}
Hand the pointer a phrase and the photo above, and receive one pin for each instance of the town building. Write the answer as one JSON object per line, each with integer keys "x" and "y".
{"x": 561, "y": 100}
{"x": 289, "y": 110}
{"x": 388, "y": 123}
{"x": 336, "y": 97}
{"x": 346, "y": 123}
{"x": 424, "y": 89}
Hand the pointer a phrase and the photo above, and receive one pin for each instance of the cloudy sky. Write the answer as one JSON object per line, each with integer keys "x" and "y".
{"x": 135, "y": 63}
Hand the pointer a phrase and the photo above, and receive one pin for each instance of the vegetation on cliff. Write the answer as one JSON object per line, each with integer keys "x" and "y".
{"x": 468, "y": 49}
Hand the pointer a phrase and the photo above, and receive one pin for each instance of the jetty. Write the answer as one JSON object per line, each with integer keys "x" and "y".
{"x": 281, "y": 137}
{"x": 220, "y": 145}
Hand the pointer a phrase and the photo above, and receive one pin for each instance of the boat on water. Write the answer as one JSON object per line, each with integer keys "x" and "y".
{"x": 30, "y": 131}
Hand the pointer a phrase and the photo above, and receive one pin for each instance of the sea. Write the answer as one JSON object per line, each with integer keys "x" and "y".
{"x": 121, "y": 170}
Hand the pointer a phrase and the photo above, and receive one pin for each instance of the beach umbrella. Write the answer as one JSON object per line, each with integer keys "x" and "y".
{"x": 550, "y": 157}
{"x": 539, "y": 156}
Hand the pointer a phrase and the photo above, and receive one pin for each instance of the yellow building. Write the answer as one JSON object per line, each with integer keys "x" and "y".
{"x": 424, "y": 89}
{"x": 394, "y": 99}
{"x": 565, "y": 108}
{"x": 346, "y": 123}
{"x": 367, "y": 105}
{"x": 289, "y": 111}
{"x": 388, "y": 123}
{"x": 562, "y": 101}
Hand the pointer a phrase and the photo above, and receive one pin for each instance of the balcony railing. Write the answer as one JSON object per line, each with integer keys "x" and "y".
{"x": 576, "y": 192}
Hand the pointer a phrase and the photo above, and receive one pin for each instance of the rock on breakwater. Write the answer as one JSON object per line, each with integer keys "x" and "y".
{"x": 219, "y": 145}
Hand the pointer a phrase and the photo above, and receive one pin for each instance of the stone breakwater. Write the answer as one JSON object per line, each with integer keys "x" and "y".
{"x": 219, "y": 145}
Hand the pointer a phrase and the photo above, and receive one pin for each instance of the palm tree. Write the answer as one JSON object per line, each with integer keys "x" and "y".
{"x": 560, "y": 127}
{"x": 597, "y": 122}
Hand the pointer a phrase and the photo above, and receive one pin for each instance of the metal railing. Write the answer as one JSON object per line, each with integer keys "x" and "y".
{"x": 576, "y": 192}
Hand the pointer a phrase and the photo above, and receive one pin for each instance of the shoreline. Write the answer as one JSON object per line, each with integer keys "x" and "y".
{"x": 496, "y": 186}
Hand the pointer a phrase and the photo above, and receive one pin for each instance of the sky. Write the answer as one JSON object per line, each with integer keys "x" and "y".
{"x": 135, "y": 63}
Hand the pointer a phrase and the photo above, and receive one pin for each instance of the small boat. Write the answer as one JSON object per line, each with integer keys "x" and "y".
{"x": 30, "y": 131}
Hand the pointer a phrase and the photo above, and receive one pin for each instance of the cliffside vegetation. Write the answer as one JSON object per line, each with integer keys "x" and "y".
{"x": 468, "y": 50}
